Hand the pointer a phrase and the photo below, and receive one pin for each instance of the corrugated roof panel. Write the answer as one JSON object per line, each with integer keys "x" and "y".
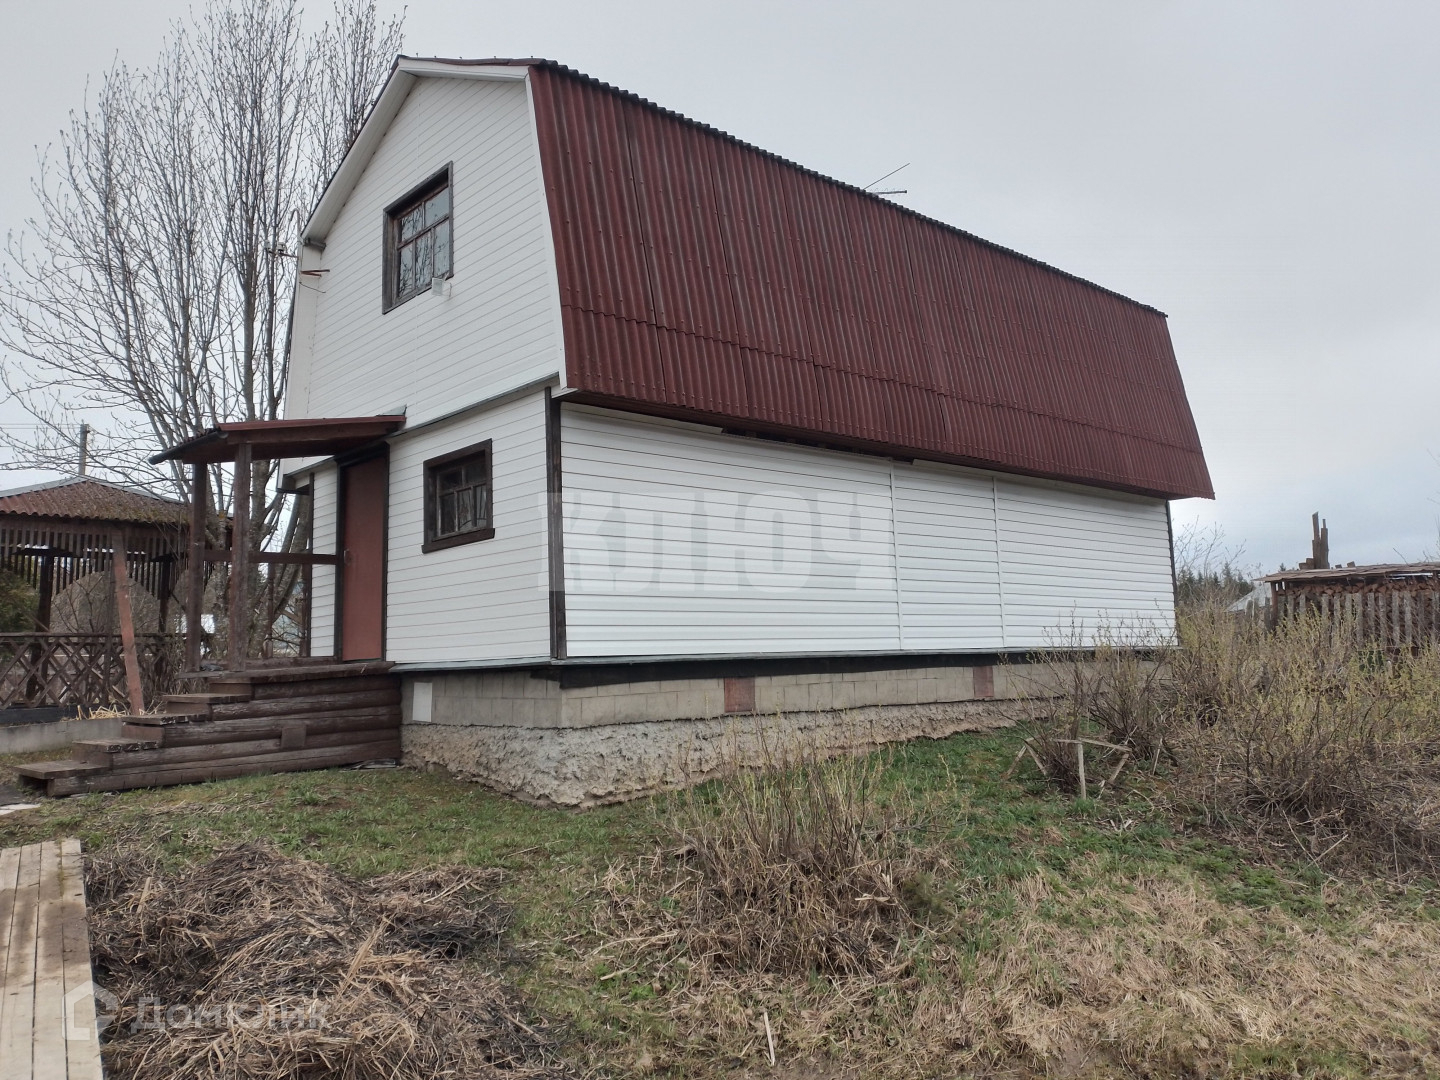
{"x": 86, "y": 499}
{"x": 702, "y": 276}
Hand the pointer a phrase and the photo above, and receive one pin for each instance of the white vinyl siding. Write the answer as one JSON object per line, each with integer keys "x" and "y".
{"x": 1077, "y": 564}
{"x": 498, "y": 327}
{"x": 322, "y": 602}
{"x": 949, "y": 571}
{"x": 680, "y": 541}
{"x": 487, "y": 600}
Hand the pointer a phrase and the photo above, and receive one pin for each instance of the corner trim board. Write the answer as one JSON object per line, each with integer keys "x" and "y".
{"x": 555, "y": 526}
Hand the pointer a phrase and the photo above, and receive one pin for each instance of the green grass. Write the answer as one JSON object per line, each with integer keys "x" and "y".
{"x": 995, "y": 834}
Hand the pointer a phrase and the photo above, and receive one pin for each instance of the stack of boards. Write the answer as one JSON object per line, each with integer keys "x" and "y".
{"x": 279, "y": 717}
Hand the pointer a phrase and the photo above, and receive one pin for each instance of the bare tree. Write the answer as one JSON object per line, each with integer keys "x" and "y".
{"x": 150, "y": 295}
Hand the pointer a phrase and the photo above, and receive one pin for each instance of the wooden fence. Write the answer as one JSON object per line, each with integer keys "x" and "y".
{"x": 1395, "y": 614}
{"x": 40, "y": 670}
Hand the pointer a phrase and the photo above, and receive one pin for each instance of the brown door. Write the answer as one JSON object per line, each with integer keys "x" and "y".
{"x": 364, "y": 489}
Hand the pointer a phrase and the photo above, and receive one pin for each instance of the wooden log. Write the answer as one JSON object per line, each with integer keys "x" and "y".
{"x": 103, "y": 751}
{"x": 284, "y": 761}
{"x": 318, "y": 687}
{"x": 126, "y": 613}
{"x": 49, "y": 770}
{"x": 195, "y": 566}
{"x": 298, "y": 706}
{"x": 265, "y": 727}
{"x": 224, "y": 752}
{"x": 303, "y": 669}
{"x": 240, "y": 560}
{"x": 361, "y": 750}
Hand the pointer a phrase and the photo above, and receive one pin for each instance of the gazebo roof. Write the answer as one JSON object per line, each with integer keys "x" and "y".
{"x": 83, "y": 498}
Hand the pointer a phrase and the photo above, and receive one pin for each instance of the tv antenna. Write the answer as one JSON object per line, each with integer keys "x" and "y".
{"x": 888, "y": 191}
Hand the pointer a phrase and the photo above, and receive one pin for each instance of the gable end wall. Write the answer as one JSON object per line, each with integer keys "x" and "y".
{"x": 498, "y": 327}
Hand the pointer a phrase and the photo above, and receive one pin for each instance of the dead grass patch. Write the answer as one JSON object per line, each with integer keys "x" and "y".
{"x": 1136, "y": 976}
{"x": 258, "y": 965}
{"x": 808, "y": 865}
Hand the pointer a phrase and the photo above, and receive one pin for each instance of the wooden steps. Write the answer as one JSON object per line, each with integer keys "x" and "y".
{"x": 273, "y": 718}
{"x": 48, "y": 1023}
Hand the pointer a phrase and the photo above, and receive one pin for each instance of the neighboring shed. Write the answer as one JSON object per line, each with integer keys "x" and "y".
{"x": 1394, "y": 605}
{"x": 82, "y": 544}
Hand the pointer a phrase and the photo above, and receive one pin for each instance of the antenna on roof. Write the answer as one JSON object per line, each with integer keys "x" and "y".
{"x": 891, "y": 191}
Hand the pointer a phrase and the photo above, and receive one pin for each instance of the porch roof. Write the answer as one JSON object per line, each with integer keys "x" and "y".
{"x": 270, "y": 439}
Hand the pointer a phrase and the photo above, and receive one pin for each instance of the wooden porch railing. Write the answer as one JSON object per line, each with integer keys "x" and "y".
{"x": 39, "y": 670}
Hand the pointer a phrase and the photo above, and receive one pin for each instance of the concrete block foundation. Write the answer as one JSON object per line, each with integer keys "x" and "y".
{"x": 558, "y": 738}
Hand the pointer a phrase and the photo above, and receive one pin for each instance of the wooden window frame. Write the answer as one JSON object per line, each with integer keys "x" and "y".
{"x": 390, "y": 267}
{"x": 431, "y": 467}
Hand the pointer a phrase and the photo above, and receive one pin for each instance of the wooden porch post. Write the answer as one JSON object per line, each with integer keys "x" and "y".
{"x": 126, "y": 613}
{"x": 195, "y": 568}
{"x": 47, "y": 593}
{"x": 240, "y": 560}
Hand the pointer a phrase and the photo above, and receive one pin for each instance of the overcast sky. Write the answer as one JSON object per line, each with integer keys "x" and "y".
{"x": 1265, "y": 173}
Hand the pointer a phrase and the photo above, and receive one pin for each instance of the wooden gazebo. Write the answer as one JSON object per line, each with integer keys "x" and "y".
{"x": 82, "y": 532}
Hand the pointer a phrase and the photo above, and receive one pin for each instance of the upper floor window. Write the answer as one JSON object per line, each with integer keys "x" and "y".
{"x": 418, "y": 240}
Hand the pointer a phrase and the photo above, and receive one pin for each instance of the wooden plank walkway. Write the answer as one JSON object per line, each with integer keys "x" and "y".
{"x": 47, "y": 1004}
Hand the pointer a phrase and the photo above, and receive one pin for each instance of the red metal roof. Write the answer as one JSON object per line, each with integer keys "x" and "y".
{"x": 85, "y": 499}
{"x": 702, "y": 277}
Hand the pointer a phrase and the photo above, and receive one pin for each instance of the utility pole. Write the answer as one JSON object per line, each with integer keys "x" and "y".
{"x": 84, "y": 446}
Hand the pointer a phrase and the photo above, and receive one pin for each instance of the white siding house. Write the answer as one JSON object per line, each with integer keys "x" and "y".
{"x": 676, "y": 441}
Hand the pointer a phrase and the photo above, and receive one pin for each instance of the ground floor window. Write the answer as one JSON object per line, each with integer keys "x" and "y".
{"x": 458, "y": 498}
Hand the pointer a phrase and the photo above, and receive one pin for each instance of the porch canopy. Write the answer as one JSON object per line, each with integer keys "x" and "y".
{"x": 240, "y": 443}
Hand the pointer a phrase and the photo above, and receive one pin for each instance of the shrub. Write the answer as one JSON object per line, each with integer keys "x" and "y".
{"x": 17, "y": 603}
{"x": 1307, "y": 733}
{"x": 1301, "y": 732}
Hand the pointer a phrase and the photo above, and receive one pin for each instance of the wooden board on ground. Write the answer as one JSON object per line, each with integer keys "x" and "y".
{"x": 48, "y": 1027}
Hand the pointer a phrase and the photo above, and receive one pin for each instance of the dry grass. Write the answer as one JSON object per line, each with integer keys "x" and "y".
{"x": 257, "y": 965}
{"x": 815, "y": 897}
{"x": 805, "y": 866}
{"x": 1153, "y": 976}
{"x": 1099, "y": 975}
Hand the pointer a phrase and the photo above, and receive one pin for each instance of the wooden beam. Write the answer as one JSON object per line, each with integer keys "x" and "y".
{"x": 240, "y": 561}
{"x": 300, "y": 558}
{"x": 126, "y": 616}
{"x": 47, "y": 593}
{"x": 195, "y": 569}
